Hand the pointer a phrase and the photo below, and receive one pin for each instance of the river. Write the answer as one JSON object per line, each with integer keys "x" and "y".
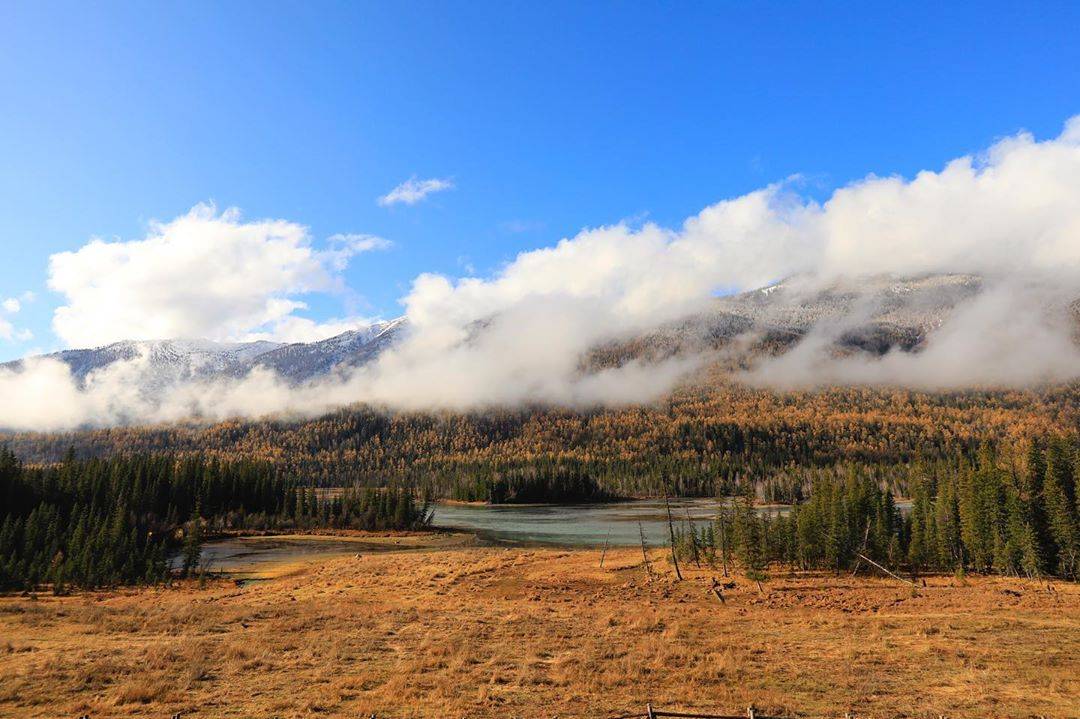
{"x": 580, "y": 525}
{"x": 574, "y": 525}
{"x": 577, "y": 525}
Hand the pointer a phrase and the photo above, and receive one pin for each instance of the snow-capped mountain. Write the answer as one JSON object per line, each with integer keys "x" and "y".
{"x": 301, "y": 361}
{"x": 870, "y": 314}
{"x": 164, "y": 362}
{"x": 915, "y": 303}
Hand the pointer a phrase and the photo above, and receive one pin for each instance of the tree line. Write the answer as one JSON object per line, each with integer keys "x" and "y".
{"x": 102, "y": 522}
{"x": 699, "y": 442}
{"x": 994, "y": 513}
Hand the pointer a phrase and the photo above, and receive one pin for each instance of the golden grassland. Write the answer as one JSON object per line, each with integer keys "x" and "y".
{"x": 494, "y": 632}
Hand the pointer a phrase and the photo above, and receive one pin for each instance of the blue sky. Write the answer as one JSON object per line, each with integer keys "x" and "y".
{"x": 546, "y": 117}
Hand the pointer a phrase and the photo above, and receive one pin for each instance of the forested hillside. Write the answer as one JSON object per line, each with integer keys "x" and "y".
{"x": 992, "y": 478}
{"x": 700, "y": 442}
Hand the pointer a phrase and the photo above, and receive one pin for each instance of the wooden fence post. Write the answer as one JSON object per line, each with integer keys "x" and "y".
{"x": 649, "y": 711}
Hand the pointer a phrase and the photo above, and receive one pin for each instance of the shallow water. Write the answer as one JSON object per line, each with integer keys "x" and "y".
{"x": 560, "y": 525}
{"x": 255, "y": 555}
{"x": 271, "y": 556}
{"x": 578, "y": 524}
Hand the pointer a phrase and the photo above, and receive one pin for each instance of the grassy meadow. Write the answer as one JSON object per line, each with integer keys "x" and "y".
{"x": 524, "y": 632}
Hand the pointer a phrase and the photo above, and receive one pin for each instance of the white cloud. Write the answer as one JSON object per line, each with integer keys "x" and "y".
{"x": 202, "y": 275}
{"x": 1012, "y": 212}
{"x": 413, "y": 190}
{"x": 1015, "y": 332}
{"x": 343, "y": 247}
{"x": 13, "y": 306}
{"x": 10, "y": 333}
{"x": 518, "y": 335}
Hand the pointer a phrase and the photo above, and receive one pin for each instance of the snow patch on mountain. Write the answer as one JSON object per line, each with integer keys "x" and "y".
{"x": 162, "y": 363}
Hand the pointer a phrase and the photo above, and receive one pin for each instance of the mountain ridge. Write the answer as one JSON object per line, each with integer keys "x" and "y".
{"x": 175, "y": 360}
{"x": 874, "y": 314}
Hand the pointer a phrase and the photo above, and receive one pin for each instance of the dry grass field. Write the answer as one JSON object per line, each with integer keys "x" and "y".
{"x": 493, "y": 632}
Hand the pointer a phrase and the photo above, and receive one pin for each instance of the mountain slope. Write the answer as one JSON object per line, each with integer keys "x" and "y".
{"x": 300, "y": 361}
{"x": 870, "y": 314}
{"x": 165, "y": 360}
{"x": 160, "y": 363}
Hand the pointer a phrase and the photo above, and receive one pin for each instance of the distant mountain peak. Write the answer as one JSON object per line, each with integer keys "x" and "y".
{"x": 170, "y": 361}
{"x": 873, "y": 314}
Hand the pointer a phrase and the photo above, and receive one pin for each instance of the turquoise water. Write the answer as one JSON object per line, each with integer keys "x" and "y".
{"x": 584, "y": 525}
{"x": 562, "y": 525}
{"x": 578, "y": 524}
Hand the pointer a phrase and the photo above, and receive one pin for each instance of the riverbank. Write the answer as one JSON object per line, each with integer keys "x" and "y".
{"x": 264, "y": 554}
{"x": 269, "y": 555}
{"x": 496, "y": 632}
{"x": 584, "y": 525}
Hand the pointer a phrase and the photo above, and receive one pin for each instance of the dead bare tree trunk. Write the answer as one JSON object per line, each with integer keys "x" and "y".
{"x": 858, "y": 555}
{"x": 644, "y": 554}
{"x": 693, "y": 540}
{"x": 717, "y": 590}
{"x": 891, "y": 574}
{"x": 671, "y": 533}
{"x": 604, "y": 553}
{"x": 724, "y": 539}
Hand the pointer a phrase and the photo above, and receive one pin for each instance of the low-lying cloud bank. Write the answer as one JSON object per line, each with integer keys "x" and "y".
{"x": 1010, "y": 215}
{"x": 1012, "y": 334}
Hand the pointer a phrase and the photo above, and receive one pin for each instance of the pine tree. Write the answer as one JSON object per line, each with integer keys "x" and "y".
{"x": 748, "y": 538}
{"x": 949, "y": 545}
{"x": 193, "y": 542}
{"x": 921, "y": 528}
{"x": 1061, "y": 510}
